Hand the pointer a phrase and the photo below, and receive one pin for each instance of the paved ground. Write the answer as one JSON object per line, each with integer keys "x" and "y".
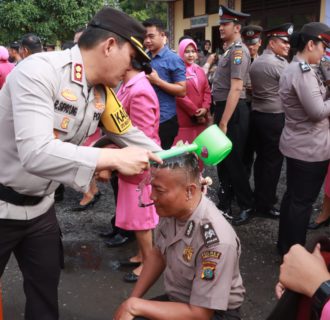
{"x": 91, "y": 285}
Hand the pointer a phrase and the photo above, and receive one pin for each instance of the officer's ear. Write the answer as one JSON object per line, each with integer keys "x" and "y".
{"x": 108, "y": 45}
{"x": 191, "y": 191}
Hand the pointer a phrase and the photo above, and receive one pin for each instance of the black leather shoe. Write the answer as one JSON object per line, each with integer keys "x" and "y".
{"x": 116, "y": 241}
{"x": 272, "y": 213}
{"x": 88, "y": 205}
{"x": 108, "y": 234}
{"x": 314, "y": 225}
{"x": 131, "y": 277}
{"x": 243, "y": 217}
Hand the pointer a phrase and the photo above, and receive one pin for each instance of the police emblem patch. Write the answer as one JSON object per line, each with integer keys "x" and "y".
{"x": 188, "y": 253}
{"x": 209, "y": 236}
{"x": 208, "y": 270}
{"x": 210, "y": 254}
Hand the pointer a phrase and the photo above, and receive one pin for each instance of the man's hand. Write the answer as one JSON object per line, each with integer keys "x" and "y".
{"x": 302, "y": 271}
{"x": 103, "y": 175}
{"x": 124, "y": 312}
{"x": 153, "y": 77}
{"x": 128, "y": 161}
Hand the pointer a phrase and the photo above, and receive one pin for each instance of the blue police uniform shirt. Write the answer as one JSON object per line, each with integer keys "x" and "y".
{"x": 170, "y": 67}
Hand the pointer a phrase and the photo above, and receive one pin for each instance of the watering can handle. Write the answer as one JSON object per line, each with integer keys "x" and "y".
{"x": 176, "y": 151}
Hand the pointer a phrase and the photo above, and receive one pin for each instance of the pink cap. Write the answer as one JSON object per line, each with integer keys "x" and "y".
{"x": 4, "y": 55}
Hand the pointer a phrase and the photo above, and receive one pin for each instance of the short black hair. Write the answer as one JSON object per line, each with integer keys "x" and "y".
{"x": 93, "y": 36}
{"x": 15, "y": 45}
{"x": 298, "y": 41}
{"x": 187, "y": 162}
{"x": 67, "y": 45}
{"x": 185, "y": 37}
{"x": 31, "y": 42}
{"x": 153, "y": 22}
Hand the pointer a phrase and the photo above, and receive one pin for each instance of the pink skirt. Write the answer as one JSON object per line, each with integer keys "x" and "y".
{"x": 327, "y": 183}
{"x": 129, "y": 216}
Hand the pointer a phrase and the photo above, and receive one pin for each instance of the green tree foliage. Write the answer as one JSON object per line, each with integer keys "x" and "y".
{"x": 142, "y": 9}
{"x": 51, "y": 20}
{"x": 54, "y": 20}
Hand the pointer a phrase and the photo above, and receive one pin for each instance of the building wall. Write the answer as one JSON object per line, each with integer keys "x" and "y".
{"x": 181, "y": 24}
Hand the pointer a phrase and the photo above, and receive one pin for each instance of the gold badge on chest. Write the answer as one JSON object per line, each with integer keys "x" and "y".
{"x": 188, "y": 253}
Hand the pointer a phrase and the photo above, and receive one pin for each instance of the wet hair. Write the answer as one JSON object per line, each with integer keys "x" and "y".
{"x": 92, "y": 36}
{"x": 153, "y": 22}
{"x": 31, "y": 42}
{"x": 298, "y": 40}
{"x": 187, "y": 162}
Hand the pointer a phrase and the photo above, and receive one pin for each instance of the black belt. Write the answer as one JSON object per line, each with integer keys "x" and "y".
{"x": 11, "y": 196}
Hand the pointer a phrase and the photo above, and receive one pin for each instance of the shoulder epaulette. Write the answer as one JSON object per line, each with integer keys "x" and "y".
{"x": 279, "y": 57}
{"x": 304, "y": 67}
{"x": 238, "y": 44}
{"x": 208, "y": 233}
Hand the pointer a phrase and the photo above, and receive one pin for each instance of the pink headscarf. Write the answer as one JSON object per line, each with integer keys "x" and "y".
{"x": 4, "y": 55}
{"x": 190, "y": 68}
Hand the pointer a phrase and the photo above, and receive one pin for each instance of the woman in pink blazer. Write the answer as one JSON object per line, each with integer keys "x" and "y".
{"x": 141, "y": 104}
{"x": 192, "y": 110}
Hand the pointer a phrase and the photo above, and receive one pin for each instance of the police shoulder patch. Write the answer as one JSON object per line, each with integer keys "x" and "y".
{"x": 209, "y": 236}
{"x": 304, "y": 67}
{"x": 208, "y": 270}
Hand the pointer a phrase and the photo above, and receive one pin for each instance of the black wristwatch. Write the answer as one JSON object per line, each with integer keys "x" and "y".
{"x": 321, "y": 297}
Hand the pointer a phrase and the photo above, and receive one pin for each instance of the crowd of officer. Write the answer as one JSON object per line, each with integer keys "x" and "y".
{"x": 271, "y": 106}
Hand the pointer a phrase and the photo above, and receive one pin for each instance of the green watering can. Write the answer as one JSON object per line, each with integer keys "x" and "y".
{"x": 211, "y": 146}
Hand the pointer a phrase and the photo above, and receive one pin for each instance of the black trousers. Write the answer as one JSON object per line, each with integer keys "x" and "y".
{"x": 233, "y": 176}
{"x": 37, "y": 247}
{"x": 218, "y": 315}
{"x": 304, "y": 182}
{"x": 267, "y": 129}
{"x": 168, "y": 130}
{"x": 250, "y": 149}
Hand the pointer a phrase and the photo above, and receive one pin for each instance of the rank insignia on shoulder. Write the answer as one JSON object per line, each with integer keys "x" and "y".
{"x": 209, "y": 236}
{"x": 238, "y": 44}
{"x": 190, "y": 229}
{"x": 208, "y": 270}
{"x": 210, "y": 254}
{"x": 188, "y": 253}
{"x": 78, "y": 69}
{"x": 304, "y": 67}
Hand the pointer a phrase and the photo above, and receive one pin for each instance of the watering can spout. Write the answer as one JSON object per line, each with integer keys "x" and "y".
{"x": 211, "y": 146}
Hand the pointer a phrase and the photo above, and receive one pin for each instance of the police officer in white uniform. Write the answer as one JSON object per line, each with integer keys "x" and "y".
{"x": 231, "y": 112}
{"x": 305, "y": 139}
{"x": 196, "y": 249}
{"x": 49, "y": 105}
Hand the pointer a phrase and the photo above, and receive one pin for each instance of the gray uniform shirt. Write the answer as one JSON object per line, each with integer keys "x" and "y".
{"x": 233, "y": 64}
{"x": 306, "y": 133}
{"x": 46, "y": 110}
{"x": 202, "y": 259}
{"x": 265, "y": 73}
